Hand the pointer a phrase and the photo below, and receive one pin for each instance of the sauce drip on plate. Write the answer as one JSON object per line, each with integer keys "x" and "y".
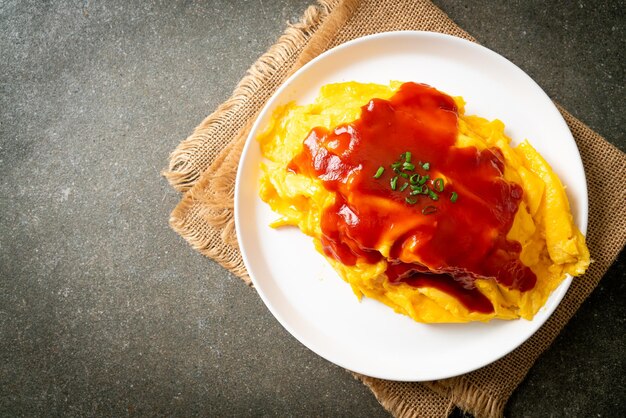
{"x": 445, "y": 243}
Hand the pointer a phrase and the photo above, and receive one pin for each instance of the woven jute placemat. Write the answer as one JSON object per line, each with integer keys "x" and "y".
{"x": 204, "y": 165}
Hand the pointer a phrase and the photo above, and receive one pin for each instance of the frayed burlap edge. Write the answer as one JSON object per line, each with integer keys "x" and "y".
{"x": 182, "y": 173}
{"x": 196, "y": 204}
{"x": 392, "y": 397}
{"x": 469, "y": 397}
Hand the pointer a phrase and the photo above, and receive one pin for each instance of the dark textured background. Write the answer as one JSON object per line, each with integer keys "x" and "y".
{"x": 106, "y": 311}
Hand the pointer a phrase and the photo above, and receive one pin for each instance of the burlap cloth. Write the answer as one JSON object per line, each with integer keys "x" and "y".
{"x": 203, "y": 166}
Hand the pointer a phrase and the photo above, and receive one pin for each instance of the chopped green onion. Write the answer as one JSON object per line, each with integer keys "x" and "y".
{"x": 410, "y": 200}
{"x": 393, "y": 182}
{"x": 417, "y": 182}
{"x": 439, "y": 185}
{"x": 454, "y": 197}
{"x": 429, "y": 210}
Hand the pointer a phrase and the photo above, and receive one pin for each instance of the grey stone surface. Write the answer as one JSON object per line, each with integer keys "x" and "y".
{"x": 105, "y": 311}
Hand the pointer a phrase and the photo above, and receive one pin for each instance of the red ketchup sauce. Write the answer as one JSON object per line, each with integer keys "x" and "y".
{"x": 447, "y": 249}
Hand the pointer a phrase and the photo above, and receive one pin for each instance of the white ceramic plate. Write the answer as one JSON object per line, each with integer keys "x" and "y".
{"x": 301, "y": 289}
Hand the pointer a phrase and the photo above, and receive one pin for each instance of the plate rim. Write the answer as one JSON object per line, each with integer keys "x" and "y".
{"x": 582, "y": 205}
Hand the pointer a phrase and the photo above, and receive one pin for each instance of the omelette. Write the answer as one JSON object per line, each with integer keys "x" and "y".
{"x": 419, "y": 206}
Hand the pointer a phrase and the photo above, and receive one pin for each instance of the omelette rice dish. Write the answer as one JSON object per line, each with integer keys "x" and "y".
{"x": 419, "y": 206}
